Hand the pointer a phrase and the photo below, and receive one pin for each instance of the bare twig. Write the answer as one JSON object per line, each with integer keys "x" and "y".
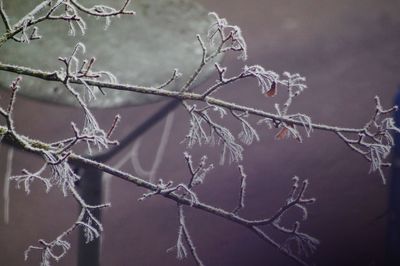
{"x": 242, "y": 191}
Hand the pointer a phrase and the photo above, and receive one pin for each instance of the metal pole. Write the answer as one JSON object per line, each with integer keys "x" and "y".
{"x": 393, "y": 230}
{"x": 90, "y": 185}
{"x": 91, "y": 191}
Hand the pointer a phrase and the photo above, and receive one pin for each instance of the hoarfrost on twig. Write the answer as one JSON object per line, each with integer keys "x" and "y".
{"x": 229, "y": 35}
{"x": 215, "y": 135}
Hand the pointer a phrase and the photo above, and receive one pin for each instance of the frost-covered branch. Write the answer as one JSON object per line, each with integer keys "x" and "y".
{"x": 62, "y": 176}
{"x": 215, "y": 134}
{"x": 52, "y": 76}
{"x": 198, "y": 174}
{"x": 102, "y": 10}
{"x": 164, "y": 189}
{"x": 206, "y": 126}
{"x": 168, "y": 188}
{"x": 63, "y": 10}
{"x": 58, "y": 248}
{"x": 228, "y": 36}
{"x": 374, "y": 141}
{"x": 242, "y": 191}
{"x": 295, "y": 199}
{"x": 184, "y": 237}
{"x": 7, "y": 114}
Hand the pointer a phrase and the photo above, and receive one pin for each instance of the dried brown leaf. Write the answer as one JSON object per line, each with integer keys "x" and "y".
{"x": 282, "y": 133}
{"x": 272, "y": 91}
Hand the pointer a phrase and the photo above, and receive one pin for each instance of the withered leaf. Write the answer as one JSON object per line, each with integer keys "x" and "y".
{"x": 272, "y": 90}
{"x": 282, "y": 133}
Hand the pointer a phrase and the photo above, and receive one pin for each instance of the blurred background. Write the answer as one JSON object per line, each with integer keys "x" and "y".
{"x": 349, "y": 50}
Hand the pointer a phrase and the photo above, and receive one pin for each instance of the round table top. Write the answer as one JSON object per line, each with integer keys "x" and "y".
{"x": 143, "y": 49}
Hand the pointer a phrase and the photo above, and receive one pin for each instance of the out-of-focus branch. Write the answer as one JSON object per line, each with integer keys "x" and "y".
{"x": 4, "y": 17}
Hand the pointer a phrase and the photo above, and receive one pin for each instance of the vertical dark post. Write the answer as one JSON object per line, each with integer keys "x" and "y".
{"x": 90, "y": 188}
{"x": 90, "y": 185}
{"x": 393, "y": 235}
